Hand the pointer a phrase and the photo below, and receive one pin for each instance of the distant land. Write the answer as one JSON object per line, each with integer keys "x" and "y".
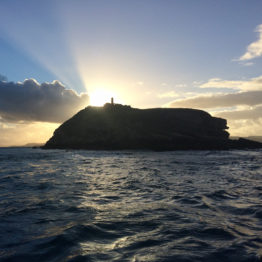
{"x": 26, "y": 145}
{"x": 253, "y": 138}
{"x": 118, "y": 127}
{"x": 33, "y": 145}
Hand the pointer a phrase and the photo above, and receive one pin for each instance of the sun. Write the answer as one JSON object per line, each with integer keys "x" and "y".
{"x": 99, "y": 97}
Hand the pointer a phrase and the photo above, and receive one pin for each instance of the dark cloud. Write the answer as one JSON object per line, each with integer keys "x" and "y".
{"x": 31, "y": 101}
{"x": 250, "y": 98}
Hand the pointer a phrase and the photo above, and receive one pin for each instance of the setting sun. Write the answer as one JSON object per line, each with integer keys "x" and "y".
{"x": 100, "y": 96}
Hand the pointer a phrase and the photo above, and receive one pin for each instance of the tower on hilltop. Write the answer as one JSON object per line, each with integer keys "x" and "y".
{"x": 112, "y": 101}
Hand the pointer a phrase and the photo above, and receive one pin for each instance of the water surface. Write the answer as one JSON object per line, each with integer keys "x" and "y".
{"x": 58, "y": 205}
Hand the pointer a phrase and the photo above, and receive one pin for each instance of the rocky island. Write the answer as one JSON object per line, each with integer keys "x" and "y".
{"x": 118, "y": 127}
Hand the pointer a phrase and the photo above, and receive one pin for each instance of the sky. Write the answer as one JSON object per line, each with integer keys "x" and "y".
{"x": 59, "y": 56}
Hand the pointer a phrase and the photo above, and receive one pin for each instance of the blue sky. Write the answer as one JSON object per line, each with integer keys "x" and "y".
{"x": 149, "y": 53}
{"x": 153, "y": 41}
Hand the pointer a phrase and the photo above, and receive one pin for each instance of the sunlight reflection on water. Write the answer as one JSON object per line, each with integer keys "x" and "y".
{"x": 130, "y": 206}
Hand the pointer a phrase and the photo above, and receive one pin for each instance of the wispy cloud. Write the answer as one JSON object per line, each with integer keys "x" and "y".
{"x": 254, "y": 49}
{"x": 3, "y": 78}
{"x": 31, "y": 101}
{"x": 140, "y": 83}
{"x": 243, "y": 85}
{"x": 253, "y": 113}
{"x": 250, "y": 98}
{"x": 244, "y": 63}
{"x": 169, "y": 94}
{"x": 172, "y": 93}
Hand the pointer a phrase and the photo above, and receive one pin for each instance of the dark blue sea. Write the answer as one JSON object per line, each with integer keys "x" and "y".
{"x": 58, "y": 205}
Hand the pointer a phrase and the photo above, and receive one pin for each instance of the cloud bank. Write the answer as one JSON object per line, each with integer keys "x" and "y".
{"x": 244, "y": 85}
{"x": 254, "y": 49}
{"x": 250, "y": 114}
{"x": 31, "y": 101}
{"x": 251, "y": 98}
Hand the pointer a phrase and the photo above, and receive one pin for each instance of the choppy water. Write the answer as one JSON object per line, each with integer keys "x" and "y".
{"x": 130, "y": 206}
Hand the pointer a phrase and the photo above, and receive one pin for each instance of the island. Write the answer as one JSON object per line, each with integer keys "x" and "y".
{"x": 121, "y": 127}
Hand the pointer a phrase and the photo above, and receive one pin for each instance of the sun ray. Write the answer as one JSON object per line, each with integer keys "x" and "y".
{"x": 100, "y": 96}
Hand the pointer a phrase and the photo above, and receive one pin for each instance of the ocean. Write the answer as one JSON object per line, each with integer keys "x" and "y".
{"x": 59, "y": 205}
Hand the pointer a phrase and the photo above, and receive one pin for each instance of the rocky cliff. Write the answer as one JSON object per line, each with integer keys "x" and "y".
{"x": 115, "y": 127}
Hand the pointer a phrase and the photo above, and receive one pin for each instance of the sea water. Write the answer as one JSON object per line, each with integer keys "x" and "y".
{"x": 58, "y": 205}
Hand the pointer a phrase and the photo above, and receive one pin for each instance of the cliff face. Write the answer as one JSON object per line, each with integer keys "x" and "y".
{"x": 114, "y": 127}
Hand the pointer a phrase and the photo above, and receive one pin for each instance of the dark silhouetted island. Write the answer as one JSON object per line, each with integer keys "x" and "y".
{"x": 117, "y": 127}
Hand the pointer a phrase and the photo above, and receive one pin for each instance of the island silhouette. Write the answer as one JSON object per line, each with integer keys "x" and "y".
{"x": 118, "y": 127}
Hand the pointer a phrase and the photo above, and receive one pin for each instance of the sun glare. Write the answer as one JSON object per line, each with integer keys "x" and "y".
{"x": 100, "y": 96}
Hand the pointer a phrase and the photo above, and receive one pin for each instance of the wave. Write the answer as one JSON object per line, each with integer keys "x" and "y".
{"x": 130, "y": 206}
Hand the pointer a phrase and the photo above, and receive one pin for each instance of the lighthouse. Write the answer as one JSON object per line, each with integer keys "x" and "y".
{"x": 112, "y": 101}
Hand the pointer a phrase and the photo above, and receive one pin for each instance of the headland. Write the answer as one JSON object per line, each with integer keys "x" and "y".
{"x": 121, "y": 127}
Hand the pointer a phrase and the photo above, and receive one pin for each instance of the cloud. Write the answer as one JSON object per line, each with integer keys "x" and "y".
{"x": 250, "y": 98}
{"x": 18, "y": 134}
{"x": 140, "y": 83}
{"x": 244, "y": 85}
{"x": 3, "y": 78}
{"x": 251, "y": 114}
{"x": 254, "y": 49}
{"x": 31, "y": 101}
{"x": 245, "y": 127}
{"x": 247, "y": 63}
{"x": 168, "y": 94}
{"x": 242, "y": 110}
